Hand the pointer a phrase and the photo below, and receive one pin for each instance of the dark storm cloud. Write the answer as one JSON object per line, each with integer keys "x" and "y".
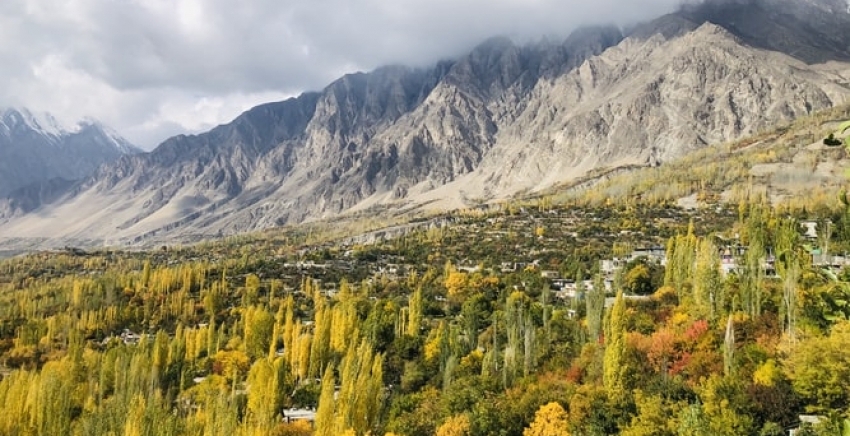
{"x": 153, "y": 67}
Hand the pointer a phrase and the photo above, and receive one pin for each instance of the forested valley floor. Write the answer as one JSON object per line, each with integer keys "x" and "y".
{"x": 591, "y": 314}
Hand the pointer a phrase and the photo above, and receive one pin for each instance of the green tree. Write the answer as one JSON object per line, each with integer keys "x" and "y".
{"x": 415, "y": 313}
{"x": 693, "y": 422}
{"x": 638, "y": 280}
{"x": 653, "y": 418}
{"x": 613, "y": 368}
{"x": 707, "y": 281}
{"x": 819, "y": 368}
{"x": 788, "y": 267}
{"x": 595, "y": 301}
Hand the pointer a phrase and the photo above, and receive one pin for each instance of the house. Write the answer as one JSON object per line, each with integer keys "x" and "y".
{"x": 570, "y": 289}
{"x": 807, "y": 420}
{"x": 821, "y": 259}
{"x": 130, "y": 338}
{"x": 469, "y": 269}
{"x": 651, "y": 254}
{"x": 549, "y": 274}
{"x": 610, "y": 266}
{"x": 559, "y": 284}
{"x": 609, "y": 301}
{"x": 728, "y": 263}
{"x": 657, "y": 254}
{"x": 294, "y": 414}
{"x": 811, "y": 229}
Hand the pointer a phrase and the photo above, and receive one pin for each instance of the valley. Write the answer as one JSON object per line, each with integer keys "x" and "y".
{"x": 631, "y": 230}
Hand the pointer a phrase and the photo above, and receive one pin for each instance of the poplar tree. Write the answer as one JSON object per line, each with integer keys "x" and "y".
{"x": 327, "y": 405}
{"x": 595, "y": 301}
{"x": 361, "y": 389}
{"x": 753, "y": 277}
{"x": 681, "y": 257}
{"x": 707, "y": 281}
{"x": 344, "y": 321}
{"x": 290, "y": 336}
{"x": 258, "y": 330}
{"x": 753, "y": 274}
{"x": 613, "y": 365}
{"x": 729, "y": 347}
{"x": 320, "y": 347}
{"x": 515, "y": 314}
{"x": 414, "y": 312}
{"x": 262, "y": 393}
{"x": 788, "y": 267}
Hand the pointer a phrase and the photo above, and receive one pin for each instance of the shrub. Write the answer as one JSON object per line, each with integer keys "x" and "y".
{"x": 832, "y": 141}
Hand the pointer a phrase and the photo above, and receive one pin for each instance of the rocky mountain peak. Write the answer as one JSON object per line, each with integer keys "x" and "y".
{"x": 814, "y": 31}
{"x": 22, "y": 120}
{"x": 35, "y": 148}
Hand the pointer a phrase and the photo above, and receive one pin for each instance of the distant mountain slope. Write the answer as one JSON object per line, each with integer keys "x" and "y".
{"x": 814, "y": 31}
{"x": 501, "y": 120}
{"x": 35, "y": 148}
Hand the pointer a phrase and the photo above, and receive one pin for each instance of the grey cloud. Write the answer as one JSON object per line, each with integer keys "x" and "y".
{"x": 126, "y": 61}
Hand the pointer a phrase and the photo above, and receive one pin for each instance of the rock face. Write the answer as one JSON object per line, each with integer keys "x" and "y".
{"x": 502, "y": 120}
{"x": 36, "y": 149}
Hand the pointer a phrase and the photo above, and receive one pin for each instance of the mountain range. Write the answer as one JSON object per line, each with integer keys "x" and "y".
{"x": 503, "y": 120}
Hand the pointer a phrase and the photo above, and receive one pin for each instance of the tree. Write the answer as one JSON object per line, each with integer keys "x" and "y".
{"x": 456, "y": 282}
{"x": 693, "y": 422}
{"x": 613, "y": 370}
{"x": 726, "y": 406}
{"x": 415, "y": 313}
{"x": 729, "y": 347}
{"x": 457, "y": 425}
{"x": 259, "y": 326}
{"x": 638, "y": 280}
{"x": 252, "y": 289}
{"x": 549, "y": 420}
{"x": 706, "y": 281}
{"x": 321, "y": 344}
{"x": 681, "y": 254}
{"x": 361, "y": 389}
{"x": 819, "y": 368}
{"x": 595, "y": 301}
{"x": 231, "y": 364}
{"x": 263, "y": 392}
{"x": 753, "y": 274}
{"x": 327, "y": 404}
{"x": 788, "y": 267}
{"x": 473, "y": 314}
{"x": 653, "y": 417}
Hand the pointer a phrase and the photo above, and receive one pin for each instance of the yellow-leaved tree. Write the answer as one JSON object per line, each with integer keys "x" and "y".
{"x": 457, "y": 425}
{"x": 549, "y": 420}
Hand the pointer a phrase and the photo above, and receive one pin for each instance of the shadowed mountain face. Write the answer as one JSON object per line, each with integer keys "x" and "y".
{"x": 35, "y": 148}
{"x": 814, "y": 31}
{"x": 501, "y": 120}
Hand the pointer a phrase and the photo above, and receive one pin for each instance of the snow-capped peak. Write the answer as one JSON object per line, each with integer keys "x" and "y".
{"x": 57, "y": 133}
{"x": 41, "y": 122}
{"x": 111, "y": 135}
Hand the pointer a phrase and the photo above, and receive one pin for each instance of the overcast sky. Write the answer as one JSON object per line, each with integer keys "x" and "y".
{"x": 155, "y": 68}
